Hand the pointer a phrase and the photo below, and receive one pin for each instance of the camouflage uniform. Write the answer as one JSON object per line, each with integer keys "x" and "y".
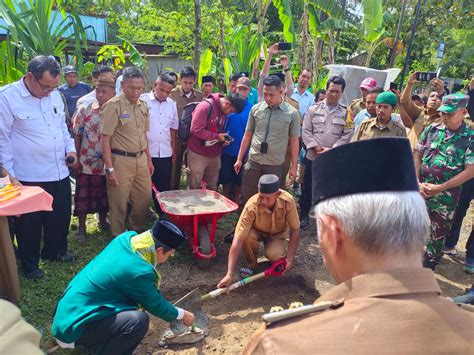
{"x": 445, "y": 155}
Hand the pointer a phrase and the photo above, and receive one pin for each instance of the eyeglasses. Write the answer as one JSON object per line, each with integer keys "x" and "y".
{"x": 45, "y": 89}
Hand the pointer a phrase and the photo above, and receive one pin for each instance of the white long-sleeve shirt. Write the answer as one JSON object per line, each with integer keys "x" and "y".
{"x": 34, "y": 137}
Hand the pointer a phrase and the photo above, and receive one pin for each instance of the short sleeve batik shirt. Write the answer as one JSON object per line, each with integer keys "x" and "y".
{"x": 445, "y": 153}
{"x": 86, "y": 123}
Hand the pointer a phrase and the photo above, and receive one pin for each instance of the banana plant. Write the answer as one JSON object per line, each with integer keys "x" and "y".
{"x": 205, "y": 64}
{"x": 243, "y": 48}
{"x": 286, "y": 18}
{"x": 12, "y": 67}
{"x": 373, "y": 26}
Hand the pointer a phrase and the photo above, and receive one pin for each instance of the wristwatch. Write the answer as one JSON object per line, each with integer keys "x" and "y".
{"x": 109, "y": 170}
{"x": 287, "y": 69}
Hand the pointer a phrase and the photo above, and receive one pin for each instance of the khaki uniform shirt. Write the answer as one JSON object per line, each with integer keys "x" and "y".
{"x": 16, "y": 335}
{"x": 282, "y": 122}
{"x": 283, "y": 216}
{"x": 368, "y": 129}
{"x": 182, "y": 100}
{"x": 126, "y": 123}
{"x": 397, "y": 312}
{"x": 421, "y": 119}
{"x": 325, "y": 126}
{"x": 356, "y": 106}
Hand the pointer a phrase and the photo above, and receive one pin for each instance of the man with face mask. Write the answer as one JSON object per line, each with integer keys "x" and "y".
{"x": 418, "y": 118}
{"x": 382, "y": 125}
{"x": 384, "y": 300}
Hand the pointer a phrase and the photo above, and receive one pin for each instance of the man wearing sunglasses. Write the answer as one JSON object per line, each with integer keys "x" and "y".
{"x": 34, "y": 146}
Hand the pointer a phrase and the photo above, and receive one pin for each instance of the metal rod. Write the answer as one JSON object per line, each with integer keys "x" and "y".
{"x": 412, "y": 35}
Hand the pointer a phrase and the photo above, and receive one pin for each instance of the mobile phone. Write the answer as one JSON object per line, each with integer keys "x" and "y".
{"x": 393, "y": 86}
{"x": 284, "y": 46}
{"x": 264, "y": 148}
{"x": 425, "y": 76}
{"x": 228, "y": 138}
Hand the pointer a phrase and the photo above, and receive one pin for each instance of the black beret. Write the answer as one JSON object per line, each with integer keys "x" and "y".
{"x": 268, "y": 184}
{"x": 168, "y": 233}
{"x": 375, "y": 165}
{"x": 207, "y": 79}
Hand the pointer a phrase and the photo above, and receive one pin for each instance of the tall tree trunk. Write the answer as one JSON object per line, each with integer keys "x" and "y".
{"x": 393, "y": 52}
{"x": 304, "y": 38}
{"x": 317, "y": 55}
{"x": 331, "y": 55}
{"x": 261, "y": 12}
{"x": 222, "y": 36}
{"x": 197, "y": 35}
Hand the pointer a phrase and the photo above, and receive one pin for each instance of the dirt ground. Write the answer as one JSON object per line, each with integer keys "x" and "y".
{"x": 234, "y": 317}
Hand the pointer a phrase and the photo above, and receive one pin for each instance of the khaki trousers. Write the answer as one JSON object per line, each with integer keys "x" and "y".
{"x": 135, "y": 188}
{"x": 200, "y": 166}
{"x": 9, "y": 283}
{"x": 275, "y": 246}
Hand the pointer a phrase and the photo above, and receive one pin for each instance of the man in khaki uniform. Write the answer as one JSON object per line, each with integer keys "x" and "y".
{"x": 359, "y": 104}
{"x": 385, "y": 301}
{"x": 418, "y": 118}
{"x": 183, "y": 95}
{"x": 326, "y": 125}
{"x": 127, "y": 161}
{"x": 266, "y": 218}
{"x": 270, "y": 125}
{"x": 383, "y": 125}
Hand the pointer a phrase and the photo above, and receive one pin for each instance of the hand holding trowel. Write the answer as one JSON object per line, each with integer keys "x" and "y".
{"x": 180, "y": 334}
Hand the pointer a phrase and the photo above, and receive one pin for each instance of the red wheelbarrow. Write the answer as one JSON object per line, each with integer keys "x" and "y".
{"x": 197, "y": 213}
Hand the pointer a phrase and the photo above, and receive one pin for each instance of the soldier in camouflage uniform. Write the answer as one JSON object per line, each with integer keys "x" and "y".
{"x": 444, "y": 161}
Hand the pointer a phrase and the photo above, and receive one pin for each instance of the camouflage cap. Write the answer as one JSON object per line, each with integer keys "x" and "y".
{"x": 454, "y": 102}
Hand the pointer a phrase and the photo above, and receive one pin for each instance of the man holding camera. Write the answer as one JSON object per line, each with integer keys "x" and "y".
{"x": 271, "y": 123}
{"x": 207, "y": 137}
{"x": 421, "y": 117}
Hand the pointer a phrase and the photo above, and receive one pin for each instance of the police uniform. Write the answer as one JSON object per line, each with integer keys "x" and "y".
{"x": 397, "y": 311}
{"x": 181, "y": 100}
{"x": 369, "y": 129}
{"x": 127, "y": 123}
{"x": 323, "y": 126}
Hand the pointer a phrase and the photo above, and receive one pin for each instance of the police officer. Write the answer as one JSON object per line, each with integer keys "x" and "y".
{"x": 326, "y": 125}
{"x": 127, "y": 161}
{"x": 384, "y": 301}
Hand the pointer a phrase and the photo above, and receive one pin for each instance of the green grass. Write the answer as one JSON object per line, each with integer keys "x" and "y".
{"x": 39, "y": 297}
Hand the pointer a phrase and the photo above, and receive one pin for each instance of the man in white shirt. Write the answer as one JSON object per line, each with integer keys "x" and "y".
{"x": 35, "y": 144}
{"x": 163, "y": 132}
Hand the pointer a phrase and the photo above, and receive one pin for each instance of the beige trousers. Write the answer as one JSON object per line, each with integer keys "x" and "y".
{"x": 135, "y": 188}
{"x": 275, "y": 246}
{"x": 200, "y": 166}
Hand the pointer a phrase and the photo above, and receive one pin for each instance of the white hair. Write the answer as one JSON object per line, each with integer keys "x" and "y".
{"x": 380, "y": 223}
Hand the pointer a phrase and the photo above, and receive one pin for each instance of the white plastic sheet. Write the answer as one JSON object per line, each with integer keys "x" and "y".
{"x": 354, "y": 75}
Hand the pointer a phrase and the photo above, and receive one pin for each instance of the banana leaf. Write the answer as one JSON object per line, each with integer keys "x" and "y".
{"x": 284, "y": 14}
{"x": 204, "y": 64}
{"x": 373, "y": 20}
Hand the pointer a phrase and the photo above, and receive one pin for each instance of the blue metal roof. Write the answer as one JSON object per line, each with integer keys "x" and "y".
{"x": 98, "y": 23}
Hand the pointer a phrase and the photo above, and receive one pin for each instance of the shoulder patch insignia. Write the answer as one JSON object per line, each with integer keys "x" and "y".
{"x": 349, "y": 121}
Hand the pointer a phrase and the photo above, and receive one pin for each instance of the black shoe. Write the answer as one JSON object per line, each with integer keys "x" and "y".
{"x": 429, "y": 264}
{"x": 34, "y": 275}
{"x": 304, "y": 223}
{"x": 68, "y": 257}
{"x": 229, "y": 238}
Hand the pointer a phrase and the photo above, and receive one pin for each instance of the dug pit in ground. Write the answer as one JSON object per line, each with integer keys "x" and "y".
{"x": 234, "y": 317}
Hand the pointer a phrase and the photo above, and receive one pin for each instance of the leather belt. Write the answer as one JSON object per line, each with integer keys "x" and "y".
{"x": 126, "y": 154}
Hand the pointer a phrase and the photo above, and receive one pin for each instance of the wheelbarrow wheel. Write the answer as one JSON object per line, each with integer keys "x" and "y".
{"x": 204, "y": 246}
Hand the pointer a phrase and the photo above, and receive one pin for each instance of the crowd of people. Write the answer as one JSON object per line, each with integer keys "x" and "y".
{"x": 376, "y": 199}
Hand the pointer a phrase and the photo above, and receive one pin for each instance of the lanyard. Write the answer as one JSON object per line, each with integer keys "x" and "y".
{"x": 268, "y": 124}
